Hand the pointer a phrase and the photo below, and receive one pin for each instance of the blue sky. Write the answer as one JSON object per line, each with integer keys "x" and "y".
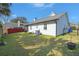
{"x": 40, "y": 10}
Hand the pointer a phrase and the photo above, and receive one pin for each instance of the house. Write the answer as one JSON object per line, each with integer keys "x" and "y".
{"x": 6, "y": 26}
{"x": 13, "y": 27}
{"x": 52, "y": 25}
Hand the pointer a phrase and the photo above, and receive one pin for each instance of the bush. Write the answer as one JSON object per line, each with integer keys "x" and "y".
{"x": 30, "y": 33}
{"x": 73, "y": 27}
{"x": 2, "y": 37}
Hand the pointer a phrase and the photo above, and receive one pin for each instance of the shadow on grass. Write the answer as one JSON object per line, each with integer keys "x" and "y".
{"x": 68, "y": 52}
{"x": 12, "y": 48}
{"x": 54, "y": 45}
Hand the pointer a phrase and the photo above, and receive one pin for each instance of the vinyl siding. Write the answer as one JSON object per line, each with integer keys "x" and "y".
{"x": 61, "y": 24}
{"x": 51, "y": 28}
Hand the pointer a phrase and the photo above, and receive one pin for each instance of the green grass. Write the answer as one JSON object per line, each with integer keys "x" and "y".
{"x": 28, "y": 44}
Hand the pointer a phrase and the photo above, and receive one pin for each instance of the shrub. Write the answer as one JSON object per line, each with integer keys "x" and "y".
{"x": 30, "y": 33}
{"x": 73, "y": 27}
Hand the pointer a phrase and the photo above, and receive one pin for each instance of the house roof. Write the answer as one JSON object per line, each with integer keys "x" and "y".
{"x": 49, "y": 18}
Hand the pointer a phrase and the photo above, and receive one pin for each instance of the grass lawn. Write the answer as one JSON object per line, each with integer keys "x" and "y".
{"x": 26, "y": 44}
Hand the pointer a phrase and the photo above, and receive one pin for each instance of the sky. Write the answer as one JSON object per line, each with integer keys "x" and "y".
{"x": 41, "y": 10}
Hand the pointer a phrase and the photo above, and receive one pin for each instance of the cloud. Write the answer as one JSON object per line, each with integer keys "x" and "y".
{"x": 38, "y": 5}
{"x": 13, "y": 15}
{"x": 43, "y": 4}
{"x": 50, "y": 5}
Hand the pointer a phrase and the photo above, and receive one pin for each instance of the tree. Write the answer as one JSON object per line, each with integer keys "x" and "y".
{"x": 4, "y": 11}
{"x": 21, "y": 19}
{"x": 1, "y": 30}
{"x": 0, "y": 24}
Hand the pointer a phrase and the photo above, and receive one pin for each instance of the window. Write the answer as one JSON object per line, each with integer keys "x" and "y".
{"x": 45, "y": 26}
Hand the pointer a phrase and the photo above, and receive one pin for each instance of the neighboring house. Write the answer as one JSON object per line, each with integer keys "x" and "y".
{"x": 51, "y": 25}
{"x": 18, "y": 25}
{"x": 24, "y": 25}
{"x": 6, "y": 26}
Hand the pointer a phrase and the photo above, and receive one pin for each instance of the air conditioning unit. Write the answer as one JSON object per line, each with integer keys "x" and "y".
{"x": 37, "y": 32}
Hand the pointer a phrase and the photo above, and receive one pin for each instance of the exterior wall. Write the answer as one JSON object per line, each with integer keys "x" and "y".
{"x": 5, "y": 29}
{"x": 51, "y": 28}
{"x": 62, "y": 25}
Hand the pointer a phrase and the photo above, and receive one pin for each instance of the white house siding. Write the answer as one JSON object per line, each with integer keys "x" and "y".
{"x": 61, "y": 24}
{"x": 51, "y": 28}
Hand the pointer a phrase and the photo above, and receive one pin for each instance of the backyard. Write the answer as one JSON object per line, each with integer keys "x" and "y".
{"x": 28, "y": 44}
